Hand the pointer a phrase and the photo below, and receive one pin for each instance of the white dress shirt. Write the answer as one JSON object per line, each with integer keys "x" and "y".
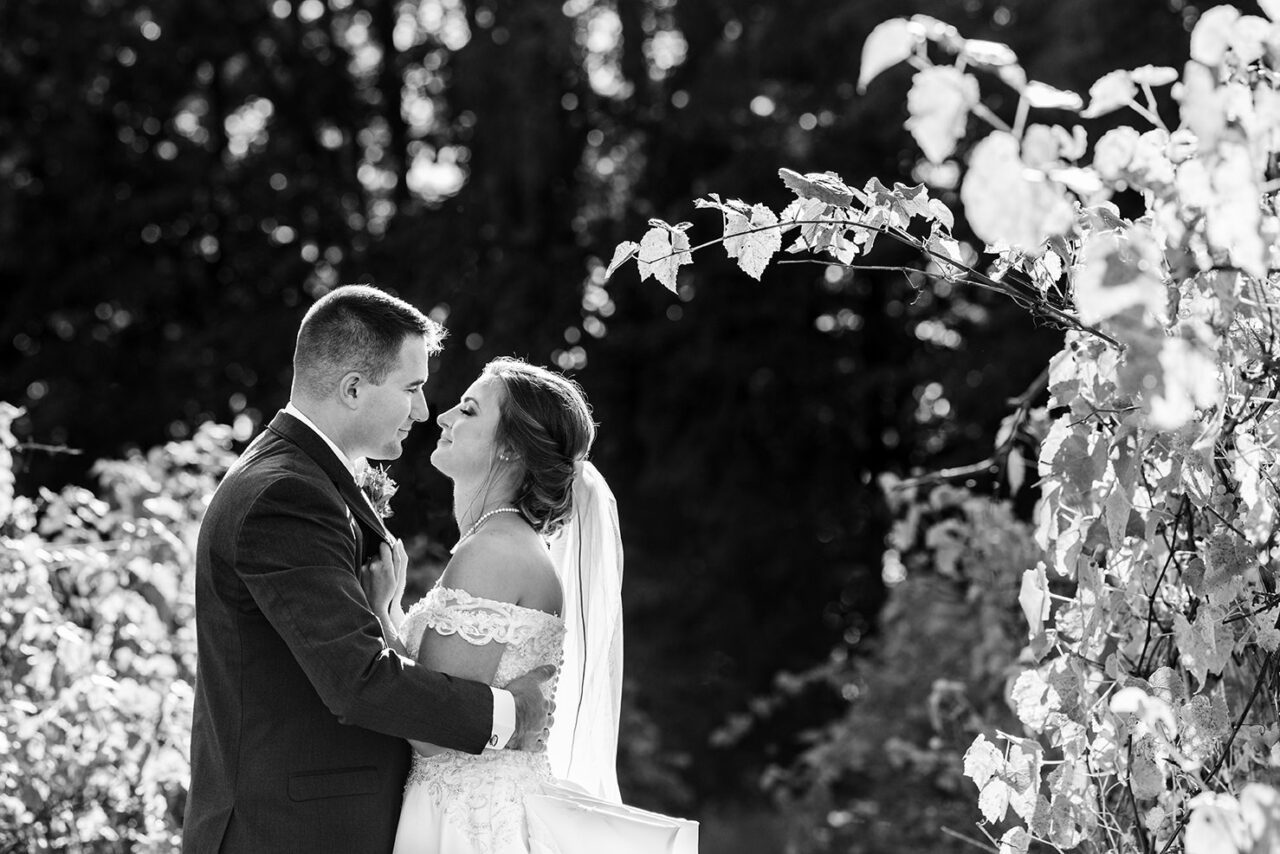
{"x": 504, "y": 705}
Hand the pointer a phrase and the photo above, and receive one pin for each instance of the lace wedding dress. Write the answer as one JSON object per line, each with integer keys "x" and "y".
{"x": 457, "y": 802}
{"x": 510, "y": 801}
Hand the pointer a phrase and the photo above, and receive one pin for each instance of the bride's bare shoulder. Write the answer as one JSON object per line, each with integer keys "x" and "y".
{"x": 507, "y": 563}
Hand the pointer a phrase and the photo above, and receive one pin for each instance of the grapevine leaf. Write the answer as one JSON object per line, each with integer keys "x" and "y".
{"x": 1016, "y": 840}
{"x": 1205, "y": 646}
{"x": 1046, "y": 97}
{"x": 1154, "y": 75}
{"x": 728, "y": 206}
{"x": 989, "y": 53}
{"x": 913, "y": 201}
{"x": 888, "y": 44}
{"x": 1257, "y": 491}
{"x": 982, "y": 761}
{"x": 1082, "y": 182}
{"x": 804, "y": 211}
{"x": 1039, "y": 822}
{"x": 1004, "y": 206}
{"x": 1222, "y": 29}
{"x": 621, "y": 254}
{"x": 1202, "y": 727}
{"x": 1023, "y": 776}
{"x": 736, "y": 231}
{"x": 1216, "y": 825}
{"x": 938, "y": 31}
{"x": 942, "y": 214}
{"x": 1033, "y": 700}
{"x": 1189, "y": 372}
{"x": 1226, "y": 558}
{"x": 1145, "y": 773}
{"x": 1116, "y": 512}
{"x": 1233, "y": 219}
{"x": 939, "y": 102}
{"x": 1109, "y": 93}
{"x": 1071, "y": 804}
{"x": 1034, "y": 597}
{"x": 993, "y": 801}
{"x": 1202, "y": 105}
{"x": 1153, "y": 713}
{"x": 1103, "y": 217}
{"x": 1260, "y": 808}
{"x": 1168, "y": 685}
{"x": 950, "y": 250}
{"x": 823, "y": 186}
{"x": 1015, "y": 470}
{"x": 755, "y": 248}
{"x": 1119, "y": 270}
{"x": 663, "y": 250}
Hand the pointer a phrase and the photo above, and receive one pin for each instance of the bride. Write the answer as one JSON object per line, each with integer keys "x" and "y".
{"x": 535, "y": 579}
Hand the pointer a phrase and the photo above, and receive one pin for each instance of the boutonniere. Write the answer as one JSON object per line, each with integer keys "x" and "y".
{"x": 377, "y": 486}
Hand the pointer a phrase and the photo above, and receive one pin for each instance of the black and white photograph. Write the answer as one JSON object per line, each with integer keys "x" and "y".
{"x": 639, "y": 427}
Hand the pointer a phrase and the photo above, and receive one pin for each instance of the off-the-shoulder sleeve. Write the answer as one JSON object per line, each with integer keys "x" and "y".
{"x": 479, "y": 621}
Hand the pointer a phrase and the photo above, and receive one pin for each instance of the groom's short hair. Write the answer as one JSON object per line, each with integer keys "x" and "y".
{"x": 356, "y": 328}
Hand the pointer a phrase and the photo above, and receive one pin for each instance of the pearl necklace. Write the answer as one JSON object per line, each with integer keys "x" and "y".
{"x": 480, "y": 522}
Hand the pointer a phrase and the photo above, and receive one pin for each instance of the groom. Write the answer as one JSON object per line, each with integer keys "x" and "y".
{"x": 301, "y": 710}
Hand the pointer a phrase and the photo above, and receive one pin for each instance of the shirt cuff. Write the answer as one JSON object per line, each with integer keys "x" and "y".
{"x": 504, "y": 719}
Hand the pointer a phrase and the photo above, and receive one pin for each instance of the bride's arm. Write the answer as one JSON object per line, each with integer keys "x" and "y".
{"x": 491, "y": 565}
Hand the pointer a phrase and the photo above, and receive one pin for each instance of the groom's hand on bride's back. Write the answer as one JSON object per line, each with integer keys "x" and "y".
{"x": 533, "y": 710}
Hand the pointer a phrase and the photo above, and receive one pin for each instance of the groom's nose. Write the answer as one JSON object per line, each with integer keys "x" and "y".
{"x": 420, "y": 411}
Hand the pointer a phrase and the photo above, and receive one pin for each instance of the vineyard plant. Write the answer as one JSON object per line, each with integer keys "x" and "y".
{"x": 1142, "y": 689}
{"x": 97, "y": 648}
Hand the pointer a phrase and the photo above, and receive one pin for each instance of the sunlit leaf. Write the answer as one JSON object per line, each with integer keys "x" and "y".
{"x": 1216, "y": 826}
{"x": 1119, "y": 270}
{"x": 1109, "y": 93}
{"x": 937, "y": 31}
{"x": 1260, "y": 809}
{"x": 1033, "y": 596}
{"x": 662, "y": 252}
{"x": 1016, "y": 840}
{"x": 1203, "y": 727}
{"x": 988, "y": 53}
{"x": 982, "y": 761}
{"x": 939, "y": 103}
{"x": 1023, "y": 776}
{"x": 888, "y": 44}
{"x": 1205, "y": 645}
{"x": 993, "y": 800}
{"x": 1046, "y": 97}
{"x": 1212, "y": 34}
{"x": 1004, "y": 206}
{"x": 621, "y": 255}
{"x": 826, "y": 187}
{"x": 758, "y": 242}
{"x": 1234, "y": 217}
{"x": 1154, "y": 75}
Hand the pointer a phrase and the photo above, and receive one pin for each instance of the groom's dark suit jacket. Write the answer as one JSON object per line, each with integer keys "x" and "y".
{"x": 301, "y": 711}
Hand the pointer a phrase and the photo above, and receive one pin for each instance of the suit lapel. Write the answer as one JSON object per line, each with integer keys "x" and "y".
{"x": 305, "y": 438}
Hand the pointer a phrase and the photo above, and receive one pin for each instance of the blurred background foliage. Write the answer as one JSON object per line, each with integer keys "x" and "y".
{"x": 178, "y": 181}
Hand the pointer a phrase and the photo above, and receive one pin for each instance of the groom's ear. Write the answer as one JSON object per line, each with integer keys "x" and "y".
{"x": 349, "y": 389}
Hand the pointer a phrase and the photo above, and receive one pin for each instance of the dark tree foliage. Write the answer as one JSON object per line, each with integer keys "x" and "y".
{"x": 179, "y": 180}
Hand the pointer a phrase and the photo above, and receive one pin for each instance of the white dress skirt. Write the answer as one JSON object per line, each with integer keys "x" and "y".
{"x": 508, "y": 801}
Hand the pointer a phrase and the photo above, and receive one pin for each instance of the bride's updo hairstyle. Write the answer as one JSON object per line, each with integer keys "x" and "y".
{"x": 544, "y": 420}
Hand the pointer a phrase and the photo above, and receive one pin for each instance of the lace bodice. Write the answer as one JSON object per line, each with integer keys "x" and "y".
{"x": 483, "y": 796}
